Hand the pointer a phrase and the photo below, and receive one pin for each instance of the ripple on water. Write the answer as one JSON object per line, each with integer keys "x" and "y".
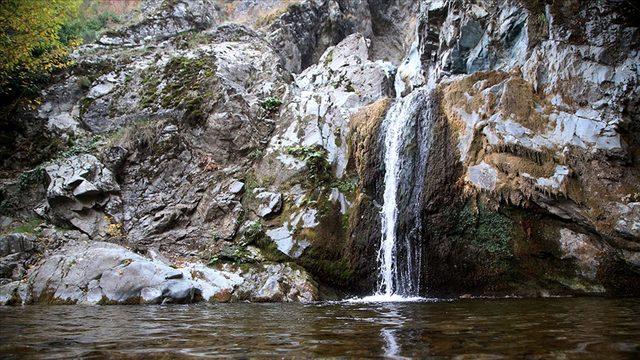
{"x": 511, "y": 328}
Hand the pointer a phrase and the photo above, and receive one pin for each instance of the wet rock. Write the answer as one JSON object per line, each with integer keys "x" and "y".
{"x": 583, "y": 250}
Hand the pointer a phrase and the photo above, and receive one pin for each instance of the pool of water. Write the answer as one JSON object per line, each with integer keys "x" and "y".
{"x": 474, "y": 328}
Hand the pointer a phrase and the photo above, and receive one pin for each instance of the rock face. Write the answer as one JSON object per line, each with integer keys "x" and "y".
{"x": 15, "y": 253}
{"x": 539, "y": 106}
{"x": 251, "y": 138}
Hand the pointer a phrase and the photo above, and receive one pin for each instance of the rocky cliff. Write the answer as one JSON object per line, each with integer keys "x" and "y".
{"x": 221, "y": 153}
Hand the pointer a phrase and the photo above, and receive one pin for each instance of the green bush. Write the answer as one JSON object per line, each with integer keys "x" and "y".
{"x": 30, "y": 44}
{"x": 318, "y": 168}
{"x": 36, "y": 37}
{"x": 86, "y": 27}
{"x": 271, "y": 104}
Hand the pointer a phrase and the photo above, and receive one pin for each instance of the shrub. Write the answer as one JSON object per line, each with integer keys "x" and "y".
{"x": 36, "y": 37}
{"x": 271, "y": 104}
{"x": 318, "y": 168}
{"x": 29, "y": 227}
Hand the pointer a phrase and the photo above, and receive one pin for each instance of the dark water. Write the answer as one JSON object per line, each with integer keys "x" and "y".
{"x": 507, "y": 328}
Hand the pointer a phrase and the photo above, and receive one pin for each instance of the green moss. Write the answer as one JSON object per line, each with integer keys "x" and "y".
{"x": 270, "y": 249}
{"x": 85, "y": 103}
{"x": 84, "y": 146}
{"x": 253, "y": 233}
{"x": 6, "y": 206}
{"x": 28, "y": 227}
{"x": 490, "y": 232}
{"x": 236, "y": 254}
{"x": 256, "y": 154}
{"x": 189, "y": 86}
{"x": 329, "y": 57}
{"x": 346, "y": 186}
{"x": 150, "y": 83}
{"x": 335, "y": 271}
{"x": 84, "y": 82}
{"x": 271, "y": 104}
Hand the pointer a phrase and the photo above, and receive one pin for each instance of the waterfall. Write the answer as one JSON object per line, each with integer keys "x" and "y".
{"x": 396, "y": 124}
{"x": 407, "y": 133}
{"x": 407, "y": 129}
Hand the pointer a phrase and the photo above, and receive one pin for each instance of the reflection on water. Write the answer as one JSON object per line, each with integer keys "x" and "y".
{"x": 391, "y": 348}
{"x": 388, "y": 332}
{"x": 541, "y": 328}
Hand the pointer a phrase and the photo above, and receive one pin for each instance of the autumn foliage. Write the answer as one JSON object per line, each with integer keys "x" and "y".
{"x": 30, "y": 45}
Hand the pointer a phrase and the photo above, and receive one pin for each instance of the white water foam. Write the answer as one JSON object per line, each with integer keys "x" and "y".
{"x": 381, "y": 298}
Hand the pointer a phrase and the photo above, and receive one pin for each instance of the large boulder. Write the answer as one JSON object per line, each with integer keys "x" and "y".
{"x": 105, "y": 273}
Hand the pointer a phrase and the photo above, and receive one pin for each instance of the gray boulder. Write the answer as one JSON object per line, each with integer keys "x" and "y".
{"x": 105, "y": 273}
{"x": 270, "y": 203}
{"x": 162, "y": 19}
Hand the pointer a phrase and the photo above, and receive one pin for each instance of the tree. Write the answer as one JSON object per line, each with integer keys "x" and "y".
{"x": 30, "y": 44}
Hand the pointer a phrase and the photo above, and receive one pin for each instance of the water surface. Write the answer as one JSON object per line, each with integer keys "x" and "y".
{"x": 538, "y": 328}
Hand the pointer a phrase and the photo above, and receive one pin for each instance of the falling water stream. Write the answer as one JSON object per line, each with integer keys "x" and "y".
{"x": 406, "y": 126}
{"x": 396, "y": 125}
